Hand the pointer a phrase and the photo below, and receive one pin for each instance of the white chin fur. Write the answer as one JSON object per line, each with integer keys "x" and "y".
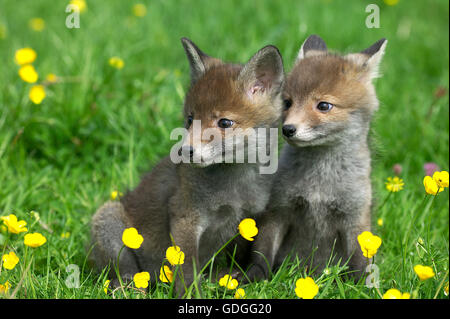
{"x": 306, "y": 140}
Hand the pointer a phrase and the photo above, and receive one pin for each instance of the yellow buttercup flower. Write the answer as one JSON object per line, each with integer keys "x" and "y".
{"x": 394, "y": 184}
{"x": 28, "y": 74}
{"x": 174, "y": 255}
{"x": 396, "y": 294}
{"x": 248, "y": 229}
{"x": 37, "y": 94}
{"x": 139, "y": 10}
{"x": 25, "y": 56}
{"x": 380, "y": 222}
{"x": 228, "y": 282}
{"x": 116, "y": 62}
{"x": 369, "y": 243}
{"x": 391, "y": 2}
{"x": 34, "y": 240}
{"x": 106, "y": 285}
{"x": 165, "y": 274}
{"x": 65, "y": 235}
{"x": 14, "y": 226}
{"x": 240, "y": 294}
{"x": 37, "y": 24}
{"x": 80, "y": 4}
{"x": 306, "y": 288}
{"x": 446, "y": 289}
{"x": 131, "y": 238}
{"x": 141, "y": 279}
{"x": 441, "y": 179}
{"x": 10, "y": 260}
{"x": 51, "y": 78}
{"x": 424, "y": 272}
{"x": 431, "y": 186}
{"x": 4, "y": 288}
{"x": 116, "y": 195}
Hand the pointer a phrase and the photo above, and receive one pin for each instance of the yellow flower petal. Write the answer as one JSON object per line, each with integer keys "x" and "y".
{"x": 52, "y": 78}
{"x": 240, "y": 294}
{"x": 79, "y": 4}
{"x": 116, "y": 62}
{"x": 139, "y": 10}
{"x": 106, "y": 286}
{"x": 131, "y": 238}
{"x": 37, "y": 94}
{"x": 424, "y": 272}
{"x": 37, "y": 24}
{"x": 34, "y": 240}
{"x": 395, "y": 294}
{"x": 14, "y": 226}
{"x": 369, "y": 243}
{"x": 228, "y": 282}
{"x": 441, "y": 179}
{"x": 28, "y": 74}
{"x": 165, "y": 274}
{"x": 306, "y": 288}
{"x": 430, "y": 186}
{"x": 391, "y": 2}
{"x": 10, "y": 260}
{"x": 141, "y": 279}
{"x": 394, "y": 184}
{"x": 116, "y": 195}
{"x": 4, "y": 288}
{"x": 175, "y": 256}
{"x": 248, "y": 229}
{"x": 25, "y": 56}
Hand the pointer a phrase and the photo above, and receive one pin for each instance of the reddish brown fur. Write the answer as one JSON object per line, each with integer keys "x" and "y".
{"x": 218, "y": 94}
{"x": 329, "y": 78}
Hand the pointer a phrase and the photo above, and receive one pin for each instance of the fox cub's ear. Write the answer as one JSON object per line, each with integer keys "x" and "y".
{"x": 374, "y": 54}
{"x": 313, "y": 45}
{"x": 199, "y": 62}
{"x": 263, "y": 73}
{"x": 370, "y": 58}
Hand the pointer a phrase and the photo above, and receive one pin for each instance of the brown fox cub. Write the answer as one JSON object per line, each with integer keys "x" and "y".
{"x": 199, "y": 204}
{"x": 321, "y": 198}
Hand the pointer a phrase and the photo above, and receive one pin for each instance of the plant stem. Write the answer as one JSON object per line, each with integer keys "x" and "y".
{"x": 440, "y": 285}
{"x": 385, "y": 200}
{"x": 118, "y": 271}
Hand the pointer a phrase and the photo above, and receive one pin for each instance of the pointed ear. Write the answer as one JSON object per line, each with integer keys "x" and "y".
{"x": 199, "y": 62}
{"x": 374, "y": 54}
{"x": 312, "y": 46}
{"x": 263, "y": 73}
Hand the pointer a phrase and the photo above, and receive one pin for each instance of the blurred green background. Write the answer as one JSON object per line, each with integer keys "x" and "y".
{"x": 99, "y": 129}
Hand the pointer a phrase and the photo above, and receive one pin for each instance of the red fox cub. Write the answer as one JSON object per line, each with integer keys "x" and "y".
{"x": 321, "y": 198}
{"x": 199, "y": 204}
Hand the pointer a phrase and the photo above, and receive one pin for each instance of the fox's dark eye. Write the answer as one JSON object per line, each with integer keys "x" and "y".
{"x": 189, "y": 121}
{"x": 225, "y": 123}
{"x": 287, "y": 103}
{"x": 324, "y": 106}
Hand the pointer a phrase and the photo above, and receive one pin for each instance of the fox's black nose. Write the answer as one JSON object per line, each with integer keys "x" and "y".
{"x": 188, "y": 150}
{"x": 289, "y": 130}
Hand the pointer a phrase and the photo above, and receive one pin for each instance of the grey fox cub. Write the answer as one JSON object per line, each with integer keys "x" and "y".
{"x": 321, "y": 198}
{"x": 201, "y": 204}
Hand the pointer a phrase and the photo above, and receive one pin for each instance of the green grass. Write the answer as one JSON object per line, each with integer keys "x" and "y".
{"x": 100, "y": 129}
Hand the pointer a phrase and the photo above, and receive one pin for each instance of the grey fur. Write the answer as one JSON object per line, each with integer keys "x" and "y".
{"x": 321, "y": 197}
